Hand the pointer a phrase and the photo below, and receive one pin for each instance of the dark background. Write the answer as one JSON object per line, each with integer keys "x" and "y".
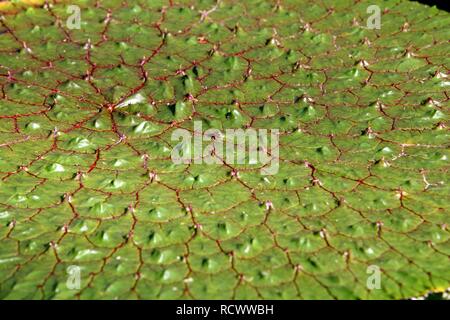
{"x": 441, "y": 4}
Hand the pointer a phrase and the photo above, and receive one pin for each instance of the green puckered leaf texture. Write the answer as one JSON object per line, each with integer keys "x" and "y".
{"x": 87, "y": 180}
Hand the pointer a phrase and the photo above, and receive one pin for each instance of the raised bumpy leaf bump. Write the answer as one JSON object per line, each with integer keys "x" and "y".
{"x": 86, "y": 178}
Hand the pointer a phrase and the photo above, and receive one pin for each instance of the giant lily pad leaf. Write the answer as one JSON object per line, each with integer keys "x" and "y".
{"x": 93, "y": 206}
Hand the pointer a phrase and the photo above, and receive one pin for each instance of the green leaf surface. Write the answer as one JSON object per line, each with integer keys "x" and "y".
{"x": 86, "y": 178}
